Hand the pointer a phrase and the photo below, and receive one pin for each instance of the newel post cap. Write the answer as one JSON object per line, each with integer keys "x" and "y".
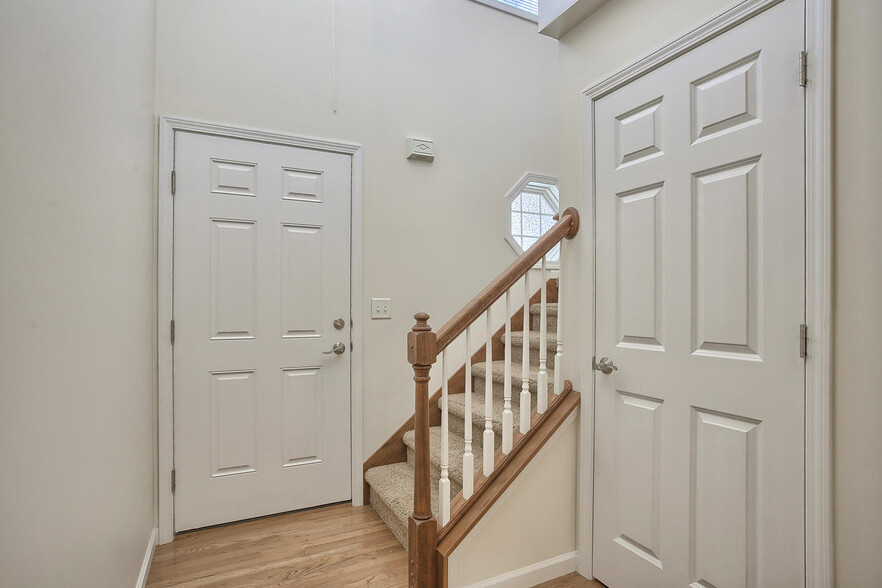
{"x": 422, "y": 344}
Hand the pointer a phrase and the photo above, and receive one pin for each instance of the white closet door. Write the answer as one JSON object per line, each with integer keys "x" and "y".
{"x": 700, "y": 296}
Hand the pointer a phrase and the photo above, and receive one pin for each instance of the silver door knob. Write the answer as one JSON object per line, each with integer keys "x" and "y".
{"x": 605, "y": 365}
{"x": 339, "y": 348}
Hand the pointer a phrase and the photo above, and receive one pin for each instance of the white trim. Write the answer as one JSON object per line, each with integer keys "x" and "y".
{"x": 819, "y": 570}
{"x": 165, "y": 209}
{"x": 534, "y": 574}
{"x": 818, "y": 439}
{"x": 148, "y": 559}
{"x": 510, "y": 9}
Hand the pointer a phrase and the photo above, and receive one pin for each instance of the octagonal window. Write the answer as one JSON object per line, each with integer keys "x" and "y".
{"x": 532, "y": 205}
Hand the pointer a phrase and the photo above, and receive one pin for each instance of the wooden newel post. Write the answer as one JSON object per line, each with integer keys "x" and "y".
{"x": 422, "y": 351}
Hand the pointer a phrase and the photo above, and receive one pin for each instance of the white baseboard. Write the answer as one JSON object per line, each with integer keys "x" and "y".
{"x": 534, "y": 574}
{"x": 148, "y": 558}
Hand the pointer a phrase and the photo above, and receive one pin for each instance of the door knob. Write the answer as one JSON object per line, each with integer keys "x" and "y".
{"x": 339, "y": 348}
{"x": 605, "y": 365}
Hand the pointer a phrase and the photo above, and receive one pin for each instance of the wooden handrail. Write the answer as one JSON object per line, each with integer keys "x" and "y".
{"x": 565, "y": 228}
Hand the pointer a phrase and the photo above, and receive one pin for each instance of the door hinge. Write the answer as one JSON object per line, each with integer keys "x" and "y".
{"x": 351, "y": 347}
{"x": 803, "y": 341}
{"x": 803, "y": 69}
{"x": 171, "y": 336}
{"x": 174, "y": 480}
{"x": 174, "y": 181}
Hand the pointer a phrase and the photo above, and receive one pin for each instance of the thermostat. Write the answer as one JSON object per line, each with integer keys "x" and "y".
{"x": 420, "y": 149}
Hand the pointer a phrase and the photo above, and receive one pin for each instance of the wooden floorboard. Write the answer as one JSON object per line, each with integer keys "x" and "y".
{"x": 334, "y": 546}
{"x": 339, "y": 545}
{"x": 573, "y": 580}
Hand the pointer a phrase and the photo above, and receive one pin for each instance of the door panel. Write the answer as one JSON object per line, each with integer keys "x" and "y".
{"x": 261, "y": 271}
{"x": 699, "y": 296}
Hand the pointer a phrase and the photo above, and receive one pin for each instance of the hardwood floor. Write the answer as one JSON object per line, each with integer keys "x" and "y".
{"x": 334, "y": 546}
{"x": 573, "y": 580}
{"x": 338, "y": 545}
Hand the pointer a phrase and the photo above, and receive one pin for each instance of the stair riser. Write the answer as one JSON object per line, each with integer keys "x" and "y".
{"x": 455, "y": 483}
{"x": 551, "y": 322}
{"x": 398, "y": 527}
{"x": 517, "y": 352}
{"x": 457, "y": 427}
{"x": 499, "y": 388}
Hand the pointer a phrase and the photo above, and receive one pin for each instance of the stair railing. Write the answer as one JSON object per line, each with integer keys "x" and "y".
{"x": 423, "y": 349}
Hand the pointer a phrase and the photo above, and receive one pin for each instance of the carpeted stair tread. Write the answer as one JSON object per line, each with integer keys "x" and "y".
{"x": 479, "y": 370}
{"x": 534, "y": 338}
{"x": 456, "y": 404}
{"x": 536, "y": 311}
{"x": 392, "y": 487}
{"x": 456, "y": 447}
{"x": 517, "y": 340}
{"x": 550, "y": 310}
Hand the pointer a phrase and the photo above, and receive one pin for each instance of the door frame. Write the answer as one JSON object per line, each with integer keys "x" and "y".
{"x": 165, "y": 259}
{"x": 818, "y": 234}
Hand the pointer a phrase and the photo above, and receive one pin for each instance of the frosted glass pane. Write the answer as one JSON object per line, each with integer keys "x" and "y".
{"x": 547, "y": 208}
{"x": 516, "y": 203}
{"x": 532, "y": 226}
{"x": 527, "y": 242}
{"x": 547, "y": 223}
{"x": 516, "y": 223}
{"x": 554, "y": 254}
{"x": 530, "y": 202}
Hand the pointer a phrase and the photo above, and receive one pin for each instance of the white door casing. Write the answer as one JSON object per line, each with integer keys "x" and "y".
{"x": 700, "y": 291}
{"x": 262, "y": 270}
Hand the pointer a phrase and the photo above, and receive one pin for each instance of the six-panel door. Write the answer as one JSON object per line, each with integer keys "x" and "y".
{"x": 700, "y": 295}
{"x": 262, "y": 270}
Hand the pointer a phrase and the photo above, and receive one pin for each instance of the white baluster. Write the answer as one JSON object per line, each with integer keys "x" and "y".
{"x": 468, "y": 458}
{"x": 444, "y": 482}
{"x": 525, "y": 362}
{"x": 507, "y": 417}
{"x": 489, "y": 436}
{"x": 558, "y": 357}
{"x": 542, "y": 377}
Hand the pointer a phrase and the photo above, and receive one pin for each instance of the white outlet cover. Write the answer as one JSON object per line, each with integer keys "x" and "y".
{"x": 381, "y": 308}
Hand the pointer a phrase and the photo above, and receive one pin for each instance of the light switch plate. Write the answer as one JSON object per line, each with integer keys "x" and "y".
{"x": 381, "y": 308}
{"x": 420, "y": 149}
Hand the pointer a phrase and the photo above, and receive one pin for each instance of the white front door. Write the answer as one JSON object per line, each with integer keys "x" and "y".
{"x": 261, "y": 273}
{"x": 699, "y": 448}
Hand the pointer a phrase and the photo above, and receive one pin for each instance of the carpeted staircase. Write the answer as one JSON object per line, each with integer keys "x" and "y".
{"x": 391, "y": 486}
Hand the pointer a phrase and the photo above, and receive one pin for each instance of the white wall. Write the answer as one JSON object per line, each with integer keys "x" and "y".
{"x": 479, "y": 82}
{"x": 76, "y": 292}
{"x": 531, "y": 523}
{"x": 622, "y": 31}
